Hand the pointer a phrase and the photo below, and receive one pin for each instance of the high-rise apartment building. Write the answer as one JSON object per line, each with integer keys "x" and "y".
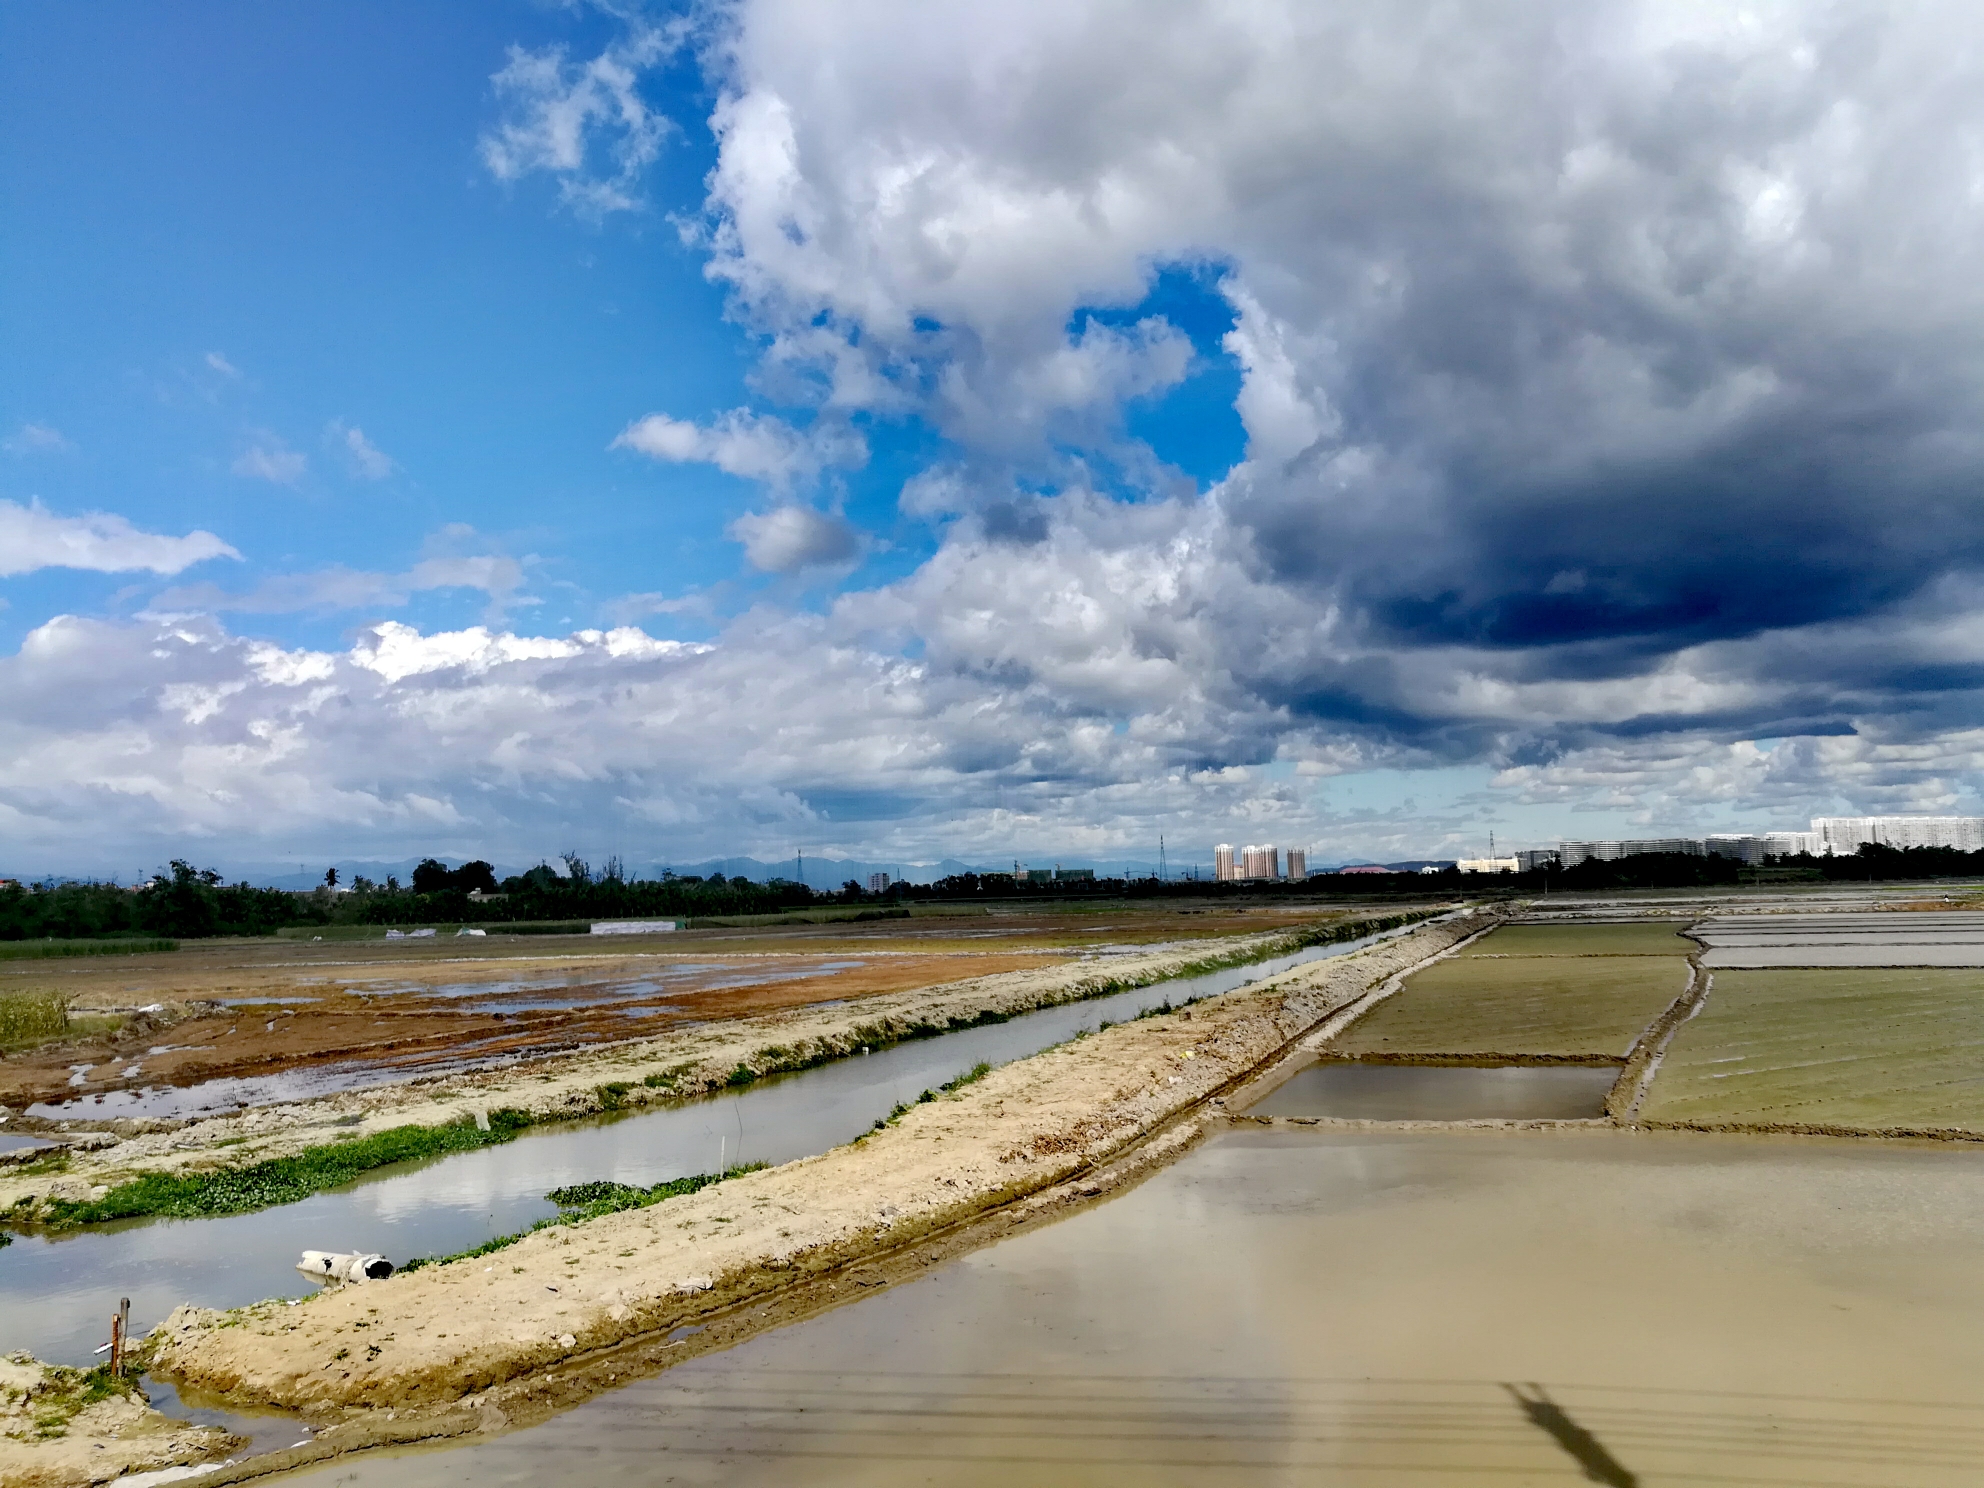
{"x": 1298, "y": 862}
{"x": 1260, "y": 860}
{"x": 1222, "y": 863}
{"x": 1843, "y": 835}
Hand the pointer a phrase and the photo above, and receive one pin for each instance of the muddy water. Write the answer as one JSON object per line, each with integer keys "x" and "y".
{"x": 1404, "y": 1092}
{"x": 55, "y": 1292}
{"x": 1368, "y": 1309}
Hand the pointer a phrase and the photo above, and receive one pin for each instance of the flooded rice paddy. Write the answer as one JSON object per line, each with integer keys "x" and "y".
{"x": 1366, "y": 1309}
{"x": 1867, "y": 1049}
{"x": 1844, "y": 940}
{"x": 53, "y": 1290}
{"x": 1345, "y": 1089}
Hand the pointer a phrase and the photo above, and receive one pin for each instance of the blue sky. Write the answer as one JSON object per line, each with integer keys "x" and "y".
{"x": 295, "y": 192}
{"x": 1040, "y": 431}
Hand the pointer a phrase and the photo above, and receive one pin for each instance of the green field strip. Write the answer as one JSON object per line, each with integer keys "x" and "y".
{"x": 1872, "y": 1050}
{"x": 1544, "y": 1006}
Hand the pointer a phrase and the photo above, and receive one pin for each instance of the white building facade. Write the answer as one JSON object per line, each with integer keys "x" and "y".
{"x": 1842, "y": 836}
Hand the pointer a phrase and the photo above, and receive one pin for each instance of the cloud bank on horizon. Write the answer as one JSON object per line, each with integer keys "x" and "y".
{"x": 1607, "y": 375}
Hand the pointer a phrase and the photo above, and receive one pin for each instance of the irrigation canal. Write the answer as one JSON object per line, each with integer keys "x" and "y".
{"x": 57, "y": 1292}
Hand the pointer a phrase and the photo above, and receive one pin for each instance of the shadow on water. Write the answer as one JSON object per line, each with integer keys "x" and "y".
{"x": 1599, "y": 1465}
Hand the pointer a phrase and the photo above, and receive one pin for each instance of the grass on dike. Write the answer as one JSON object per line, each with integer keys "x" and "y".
{"x": 1590, "y": 1006}
{"x": 1874, "y": 1049}
{"x": 580, "y": 1202}
{"x": 280, "y": 1180}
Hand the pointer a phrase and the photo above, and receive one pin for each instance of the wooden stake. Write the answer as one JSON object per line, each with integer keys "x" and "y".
{"x": 120, "y": 1332}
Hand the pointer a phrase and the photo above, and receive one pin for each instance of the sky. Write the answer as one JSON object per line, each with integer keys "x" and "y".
{"x": 922, "y": 430}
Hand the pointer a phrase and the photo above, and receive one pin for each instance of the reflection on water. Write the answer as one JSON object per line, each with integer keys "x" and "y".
{"x": 1418, "y": 1092}
{"x": 1365, "y": 1309}
{"x": 52, "y": 1289}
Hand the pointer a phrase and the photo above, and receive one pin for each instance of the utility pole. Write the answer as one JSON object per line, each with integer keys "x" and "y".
{"x": 1160, "y": 857}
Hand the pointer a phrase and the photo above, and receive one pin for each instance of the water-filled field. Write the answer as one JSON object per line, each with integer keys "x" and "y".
{"x": 1355, "y": 1311}
{"x": 1885, "y": 938}
{"x": 1655, "y": 939}
{"x": 1584, "y": 1005}
{"x": 1872, "y": 1049}
{"x": 1346, "y": 1090}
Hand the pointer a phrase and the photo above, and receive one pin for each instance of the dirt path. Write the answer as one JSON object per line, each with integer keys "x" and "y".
{"x": 480, "y": 1344}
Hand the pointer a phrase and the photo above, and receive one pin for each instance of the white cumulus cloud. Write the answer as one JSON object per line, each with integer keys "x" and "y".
{"x": 787, "y": 539}
{"x": 753, "y": 446}
{"x": 585, "y": 123}
{"x": 32, "y": 537}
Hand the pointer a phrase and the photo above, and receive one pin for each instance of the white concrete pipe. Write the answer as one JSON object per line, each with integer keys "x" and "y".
{"x": 345, "y": 1265}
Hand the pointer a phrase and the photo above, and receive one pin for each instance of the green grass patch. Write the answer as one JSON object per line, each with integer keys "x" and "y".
{"x": 281, "y": 1180}
{"x": 583, "y": 1201}
{"x": 970, "y": 1077}
{"x": 668, "y": 1078}
{"x": 1871, "y": 1049}
{"x": 1567, "y": 1006}
{"x": 63, "y": 1393}
{"x": 32, "y": 1018}
{"x": 31, "y": 950}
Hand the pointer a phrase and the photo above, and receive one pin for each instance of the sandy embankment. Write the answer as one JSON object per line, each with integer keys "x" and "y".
{"x": 692, "y": 1061}
{"x": 781, "y": 1240}
{"x": 51, "y": 1438}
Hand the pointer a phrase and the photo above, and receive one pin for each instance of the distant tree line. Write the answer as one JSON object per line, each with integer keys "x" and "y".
{"x": 183, "y": 903}
{"x": 186, "y": 903}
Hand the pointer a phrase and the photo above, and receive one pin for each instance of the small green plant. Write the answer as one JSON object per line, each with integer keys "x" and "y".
{"x": 665, "y": 1079}
{"x": 32, "y": 1017}
{"x": 62, "y": 1393}
{"x": 741, "y": 1076}
{"x": 579, "y": 1202}
{"x": 970, "y": 1077}
{"x": 613, "y": 1094}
